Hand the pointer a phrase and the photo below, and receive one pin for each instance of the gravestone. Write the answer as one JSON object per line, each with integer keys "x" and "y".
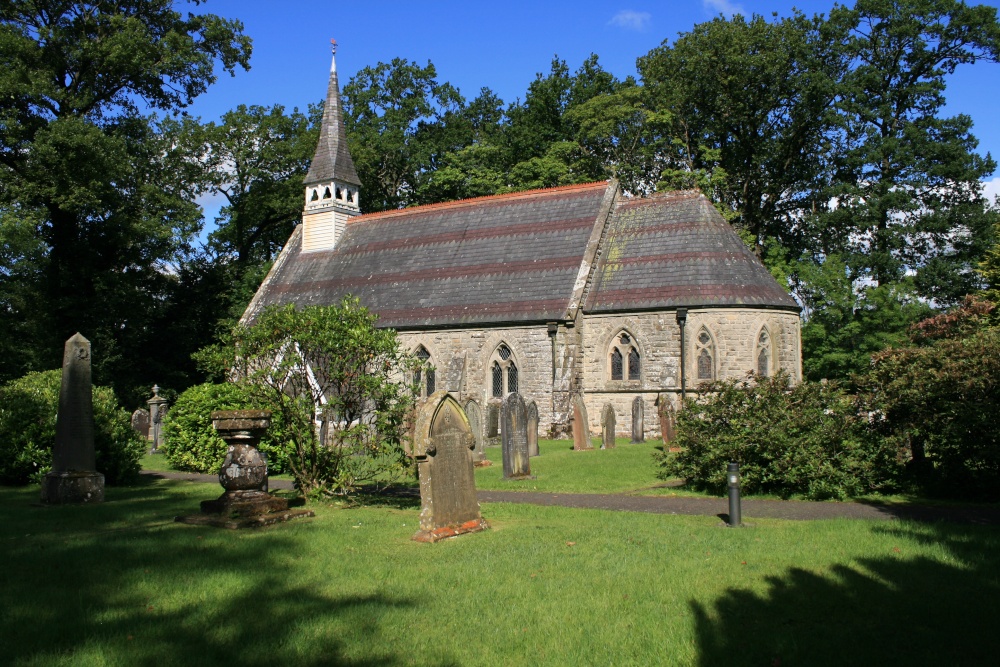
{"x": 532, "y": 418}
{"x": 492, "y": 424}
{"x": 157, "y": 411}
{"x": 443, "y": 448}
{"x": 475, "y": 416}
{"x": 140, "y": 423}
{"x": 246, "y": 502}
{"x": 581, "y": 425}
{"x": 73, "y": 478}
{"x": 664, "y": 406}
{"x": 608, "y": 427}
{"x": 514, "y": 434}
{"x": 638, "y": 425}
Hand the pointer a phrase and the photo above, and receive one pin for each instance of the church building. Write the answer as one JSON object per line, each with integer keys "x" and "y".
{"x": 552, "y": 293}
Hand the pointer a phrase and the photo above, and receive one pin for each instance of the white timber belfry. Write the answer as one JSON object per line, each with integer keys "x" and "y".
{"x": 332, "y": 185}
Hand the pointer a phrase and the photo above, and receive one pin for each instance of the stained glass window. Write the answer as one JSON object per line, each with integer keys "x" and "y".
{"x": 633, "y": 364}
{"x": 497, "y": 381}
{"x": 616, "y": 364}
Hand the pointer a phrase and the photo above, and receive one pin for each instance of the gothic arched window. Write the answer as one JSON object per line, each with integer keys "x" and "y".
{"x": 424, "y": 376}
{"x": 705, "y": 355}
{"x": 764, "y": 353}
{"x": 503, "y": 372}
{"x": 624, "y": 358}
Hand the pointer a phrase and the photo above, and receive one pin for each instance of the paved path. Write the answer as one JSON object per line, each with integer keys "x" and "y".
{"x": 774, "y": 509}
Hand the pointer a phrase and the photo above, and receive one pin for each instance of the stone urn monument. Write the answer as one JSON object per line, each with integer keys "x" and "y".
{"x": 246, "y": 501}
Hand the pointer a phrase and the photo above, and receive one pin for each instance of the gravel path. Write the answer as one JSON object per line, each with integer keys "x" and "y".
{"x": 774, "y": 509}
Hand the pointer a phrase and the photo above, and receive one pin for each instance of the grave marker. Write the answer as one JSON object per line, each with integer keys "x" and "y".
{"x": 140, "y": 422}
{"x": 608, "y": 427}
{"x": 664, "y": 407}
{"x": 581, "y": 425}
{"x": 514, "y": 434}
{"x": 74, "y": 478}
{"x": 638, "y": 425}
{"x": 475, "y": 416}
{"x": 442, "y": 447}
{"x": 532, "y": 419}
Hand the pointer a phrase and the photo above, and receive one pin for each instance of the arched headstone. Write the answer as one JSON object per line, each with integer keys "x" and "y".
{"x": 638, "y": 425}
{"x": 475, "y": 416}
{"x": 140, "y": 422}
{"x": 608, "y": 427}
{"x": 531, "y": 414}
{"x": 443, "y": 446}
{"x": 581, "y": 425}
{"x": 514, "y": 434}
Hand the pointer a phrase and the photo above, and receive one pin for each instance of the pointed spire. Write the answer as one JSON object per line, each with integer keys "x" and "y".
{"x": 332, "y": 161}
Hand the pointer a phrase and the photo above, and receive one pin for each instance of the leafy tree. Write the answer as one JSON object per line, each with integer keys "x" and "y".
{"x": 101, "y": 184}
{"x": 398, "y": 119}
{"x": 906, "y": 180}
{"x": 938, "y": 399}
{"x": 750, "y": 102}
{"x": 329, "y": 366}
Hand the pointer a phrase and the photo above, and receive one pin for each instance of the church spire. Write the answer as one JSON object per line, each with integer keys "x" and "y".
{"x": 332, "y": 161}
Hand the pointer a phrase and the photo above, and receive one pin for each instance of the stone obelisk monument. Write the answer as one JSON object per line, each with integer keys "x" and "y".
{"x": 73, "y": 478}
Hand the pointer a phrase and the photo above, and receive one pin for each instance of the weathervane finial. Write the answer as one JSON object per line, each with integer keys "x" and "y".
{"x": 333, "y": 46}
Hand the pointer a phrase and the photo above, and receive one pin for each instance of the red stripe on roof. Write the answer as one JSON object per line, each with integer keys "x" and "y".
{"x": 471, "y": 234}
{"x": 625, "y": 296}
{"x": 473, "y": 201}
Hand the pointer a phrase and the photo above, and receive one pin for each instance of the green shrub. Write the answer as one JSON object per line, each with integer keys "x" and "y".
{"x": 190, "y": 442}
{"x": 806, "y": 440}
{"x": 28, "y": 408}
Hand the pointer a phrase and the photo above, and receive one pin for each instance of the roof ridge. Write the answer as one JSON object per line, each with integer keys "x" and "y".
{"x": 475, "y": 200}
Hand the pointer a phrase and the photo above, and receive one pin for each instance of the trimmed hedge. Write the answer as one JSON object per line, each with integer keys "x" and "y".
{"x": 190, "y": 442}
{"x": 28, "y": 407}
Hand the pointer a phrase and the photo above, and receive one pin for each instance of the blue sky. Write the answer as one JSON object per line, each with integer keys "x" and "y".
{"x": 501, "y": 45}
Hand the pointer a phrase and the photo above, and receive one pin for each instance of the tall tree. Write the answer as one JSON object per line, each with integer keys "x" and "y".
{"x": 907, "y": 180}
{"x": 99, "y": 180}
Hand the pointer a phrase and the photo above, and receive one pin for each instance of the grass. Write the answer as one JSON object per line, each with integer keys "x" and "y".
{"x": 121, "y": 584}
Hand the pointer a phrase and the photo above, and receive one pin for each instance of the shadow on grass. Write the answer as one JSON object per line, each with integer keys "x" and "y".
{"x": 887, "y": 610}
{"x": 120, "y": 583}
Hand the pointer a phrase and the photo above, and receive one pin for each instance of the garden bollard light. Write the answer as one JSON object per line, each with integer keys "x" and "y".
{"x": 733, "y": 473}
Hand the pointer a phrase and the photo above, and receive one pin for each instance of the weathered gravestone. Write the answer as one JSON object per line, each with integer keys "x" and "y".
{"x": 73, "y": 478}
{"x": 581, "y": 425}
{"x": 638, "y": 425}
{"x": 608, "y": 427}
{"x": 492, "y": 424}
{"x": 664, "y": 407}
{"x": 140, "y": 423}
{"x": 475, "y": 416}
{"x": 443, "y": 448}
{"x": 514, "y": 434}
{"x": 532, "y": 419}
{"x": 157, "y": 411}
{"x": 246, "y": 502}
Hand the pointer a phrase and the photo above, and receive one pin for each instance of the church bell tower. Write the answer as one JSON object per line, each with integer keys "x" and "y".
{"x": 332, "y": 184}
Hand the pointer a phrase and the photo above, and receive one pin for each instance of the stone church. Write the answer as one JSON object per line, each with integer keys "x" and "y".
{"x": 551, "y": 293}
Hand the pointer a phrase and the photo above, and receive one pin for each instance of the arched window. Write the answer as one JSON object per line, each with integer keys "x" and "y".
{"x": 326, "y": 193}
{"x": 424, "y": 376}
{"x": 340, "y": 194}
{"x": 503, "y": 372}
{"x": 764, "y": 353}
{"x": 314, "y": 196}
{"x": 705, "y": 355}
{"x": 624, "y": 358}
{"x": 350, "y": 196}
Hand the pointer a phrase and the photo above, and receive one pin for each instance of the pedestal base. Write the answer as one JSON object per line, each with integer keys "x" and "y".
{"x": 445, "y": 532}
{"x": 73, "y": 488}
{"x": 243, "y": 509}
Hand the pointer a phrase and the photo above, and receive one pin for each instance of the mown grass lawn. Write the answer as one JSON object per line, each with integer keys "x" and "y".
{"x": 122, "y": 584}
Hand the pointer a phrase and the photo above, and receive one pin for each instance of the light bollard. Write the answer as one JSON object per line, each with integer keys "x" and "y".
{"x": 733, "y": 476}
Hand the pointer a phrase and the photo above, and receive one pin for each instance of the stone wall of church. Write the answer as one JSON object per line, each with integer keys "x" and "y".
{"x": 580, "y": 357}
{"x": 462, "y": 360}
{"x": 734, "y": 333}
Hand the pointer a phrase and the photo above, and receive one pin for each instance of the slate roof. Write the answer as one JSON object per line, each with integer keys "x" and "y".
{"x": 332, "y": 161}
{"x": 526, "y": 257}
{"x": 675, "y": 250}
